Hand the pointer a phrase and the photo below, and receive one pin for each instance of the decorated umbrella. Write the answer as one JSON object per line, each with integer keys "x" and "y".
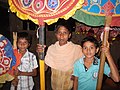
{"x": 97, "y": 13}
{"x": 41, "y": 12}
{"x": 7, "y": 60}
{"x": 94, "y": 12}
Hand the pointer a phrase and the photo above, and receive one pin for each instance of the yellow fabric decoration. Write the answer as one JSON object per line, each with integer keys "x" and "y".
{"x": 6, "y": 77}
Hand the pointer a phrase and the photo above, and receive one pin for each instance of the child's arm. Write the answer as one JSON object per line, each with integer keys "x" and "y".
{"x": 33, "y": 73}
{"x": 75, "y": 83}
{"x": 46, "y": 67}
{"x": 114, "y": 74}
{"x": 114, "y": 71}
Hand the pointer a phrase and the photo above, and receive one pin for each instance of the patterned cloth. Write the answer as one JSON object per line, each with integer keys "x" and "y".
{"x": 61, "y": 80}
{"x": 7, "y": 59}
{"x": 48, "y": 11}
{"x": 28, "y": 63}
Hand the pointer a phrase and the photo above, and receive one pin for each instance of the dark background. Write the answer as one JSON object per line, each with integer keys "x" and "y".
{"x": 4, "y": 22}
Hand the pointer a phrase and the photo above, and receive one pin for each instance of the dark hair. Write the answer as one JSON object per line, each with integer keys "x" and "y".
{"x": 91, "y": 39}
{"x": 24, "y": 35}
{"x": 64, "y": 24}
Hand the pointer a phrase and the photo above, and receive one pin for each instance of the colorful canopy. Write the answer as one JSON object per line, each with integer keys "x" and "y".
{"x": 48, "y": 11}
{"x": 93, "y": 12}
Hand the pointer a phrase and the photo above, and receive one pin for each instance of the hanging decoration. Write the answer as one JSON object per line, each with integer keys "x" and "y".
{"x": 96, "y": 31}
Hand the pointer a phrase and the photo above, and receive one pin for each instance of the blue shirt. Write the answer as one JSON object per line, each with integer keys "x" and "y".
{"x": 87, "y": 80}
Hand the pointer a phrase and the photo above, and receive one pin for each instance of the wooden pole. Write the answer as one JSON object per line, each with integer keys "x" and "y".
{"x": 41, "y": 58}
{"x": 15, "y": 40}
{"x": 15, "y": 47}
{"x": 102, "y": 57}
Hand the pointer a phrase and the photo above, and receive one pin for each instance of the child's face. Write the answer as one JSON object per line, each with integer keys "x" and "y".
{"x": 89, "y": 49}
{"x": 22, "y": 44}
{"x": 62, "y": 35}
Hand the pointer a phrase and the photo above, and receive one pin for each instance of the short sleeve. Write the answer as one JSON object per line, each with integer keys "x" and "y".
{"x": 75, "y": 70}
{"x": 34, "y": 61}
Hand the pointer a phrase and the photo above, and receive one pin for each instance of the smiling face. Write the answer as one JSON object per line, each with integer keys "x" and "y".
{"x": 62, "y": 35}
{"x": 89, "y": 49}
{"x": 22, "y": 44}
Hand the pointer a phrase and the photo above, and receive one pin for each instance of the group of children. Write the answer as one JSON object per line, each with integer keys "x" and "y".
{"x": 72, "y": 66}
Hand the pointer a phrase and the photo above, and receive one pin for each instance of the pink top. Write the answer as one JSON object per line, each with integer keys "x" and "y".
{"x": 63, "y": 57}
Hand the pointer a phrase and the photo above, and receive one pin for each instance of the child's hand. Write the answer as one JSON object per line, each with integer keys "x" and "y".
{"x": 106, "y": 49}
{"x": 15, "y": 81}
{"x": 17, "y": 72}
{"x": 40, "y": 48}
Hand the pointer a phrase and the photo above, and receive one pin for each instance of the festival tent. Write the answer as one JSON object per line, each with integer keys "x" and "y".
{"x": 100, "y": 13}
{"x": 41, "y": 12}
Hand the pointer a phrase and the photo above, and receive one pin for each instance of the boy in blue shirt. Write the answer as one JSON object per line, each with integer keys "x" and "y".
{"x": 86, "y": 68}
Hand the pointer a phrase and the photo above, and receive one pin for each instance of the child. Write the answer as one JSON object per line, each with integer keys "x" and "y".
{"x": 61, "y": 57}
{"x": 86, "y": 68}
{"x": 28, "y": 66}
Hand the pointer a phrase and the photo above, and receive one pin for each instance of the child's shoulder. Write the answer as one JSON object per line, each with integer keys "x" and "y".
{"x": 74, "y": 45}
{"x": 79, "y": 61}
{"x": 31, "y": 53}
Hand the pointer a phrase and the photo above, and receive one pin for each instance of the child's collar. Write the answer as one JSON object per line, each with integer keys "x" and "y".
{"x": 95, "y": 62}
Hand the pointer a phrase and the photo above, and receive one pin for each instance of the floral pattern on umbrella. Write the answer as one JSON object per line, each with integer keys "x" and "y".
{"x": 48, "y": 11}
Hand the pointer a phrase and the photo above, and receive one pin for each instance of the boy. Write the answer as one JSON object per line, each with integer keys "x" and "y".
{"x": 61, "y": 57}
{"x": 28, "y": 66}
{"x": 86, "y": 68}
